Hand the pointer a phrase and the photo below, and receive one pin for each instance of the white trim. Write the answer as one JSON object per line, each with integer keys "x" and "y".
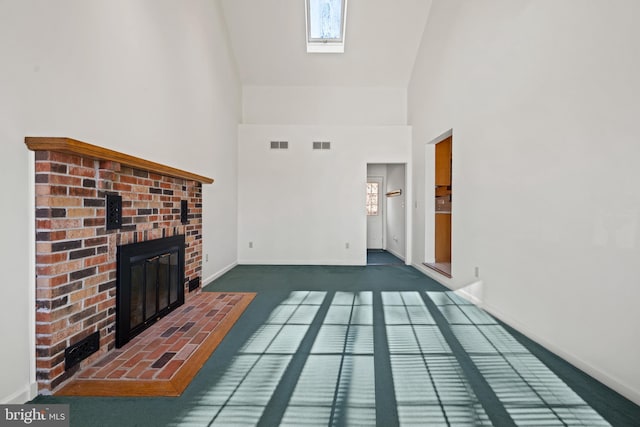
{"x": 606, "y": 379}
{"x": 31, "y": 238}
{"x": 432, "y": 274}
{"x": 325, "y": 47}
{"x": 441, "y": 137}
{"x": 469, "y": 297}
{"x": 326, "y": 262}
{"x": 408, "y": 208}
{"x": 28, "y": 393}
{"x": 218, "y": 273}
{"x": 395, "y": 254}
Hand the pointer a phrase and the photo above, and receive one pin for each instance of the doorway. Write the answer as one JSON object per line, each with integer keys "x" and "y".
{"x": 443, "y": 193}
{"x": 386, "y": 212}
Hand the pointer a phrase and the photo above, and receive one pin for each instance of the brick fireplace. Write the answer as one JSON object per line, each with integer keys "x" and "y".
{"x": 76, "y": 251}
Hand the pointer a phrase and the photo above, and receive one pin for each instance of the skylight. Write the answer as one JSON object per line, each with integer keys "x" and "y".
{"x": 326, "y": 25}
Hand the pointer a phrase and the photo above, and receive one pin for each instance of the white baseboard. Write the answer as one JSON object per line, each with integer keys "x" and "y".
{"x": 606, "y": 379}
{"x": 396, "y": 254}
{"x": 218, "y": 273}
{"x": 327, "y": 262}
{"x": 29, "y": 392}
{"x": 443, "y": 280}
{"x": 470, "y": 297}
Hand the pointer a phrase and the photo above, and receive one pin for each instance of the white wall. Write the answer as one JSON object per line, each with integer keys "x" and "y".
{"x": 396, "y": 211}
{"x": 543, "y": 99}
{"x": 377, "y": 170}
{"x": 349, "y": 106}
{"x": 152, "y": 78}
{"x": 301, "y": 206}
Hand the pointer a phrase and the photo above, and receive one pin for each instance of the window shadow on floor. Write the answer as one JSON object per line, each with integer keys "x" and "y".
{"x": 367, "y": 346}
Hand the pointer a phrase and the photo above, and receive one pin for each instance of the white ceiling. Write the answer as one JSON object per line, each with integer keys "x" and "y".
{"x": 381, "y": 42}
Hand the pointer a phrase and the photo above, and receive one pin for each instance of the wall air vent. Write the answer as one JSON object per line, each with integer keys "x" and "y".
{"x": 279, "y": 145}
{"x": 321, "y": 145}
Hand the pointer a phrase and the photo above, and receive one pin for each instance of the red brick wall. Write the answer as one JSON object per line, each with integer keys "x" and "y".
{"x": 76, "y": 255}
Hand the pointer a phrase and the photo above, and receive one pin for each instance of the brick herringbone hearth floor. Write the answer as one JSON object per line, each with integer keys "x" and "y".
{"x": 163, "y": 359}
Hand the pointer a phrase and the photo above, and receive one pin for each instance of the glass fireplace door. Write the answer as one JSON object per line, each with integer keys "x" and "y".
{"x": 150, "y": 284}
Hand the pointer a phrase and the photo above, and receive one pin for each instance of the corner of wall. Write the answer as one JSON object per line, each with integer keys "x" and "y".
{"x": 473, "y": 292}
{"x": 28, "y": 393}
{"x": 208, "y": 280}
{"x": 31, "y": 170}
{"x": 607, "y": 379}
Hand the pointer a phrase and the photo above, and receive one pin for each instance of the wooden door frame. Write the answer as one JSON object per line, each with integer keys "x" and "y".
{"x": 443, "y": 188}
{"x": 429, "y": 212}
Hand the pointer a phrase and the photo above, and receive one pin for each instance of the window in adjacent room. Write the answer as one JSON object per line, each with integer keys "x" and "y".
{"x": 372, "y": 198}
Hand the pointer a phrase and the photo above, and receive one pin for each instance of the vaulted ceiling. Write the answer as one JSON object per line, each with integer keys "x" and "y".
{"x": 382, "y": 39}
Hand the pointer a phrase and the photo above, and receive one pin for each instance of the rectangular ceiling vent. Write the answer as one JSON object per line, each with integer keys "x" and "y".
{"x": 321, "y": 145}
{"x": 279, "y": 145}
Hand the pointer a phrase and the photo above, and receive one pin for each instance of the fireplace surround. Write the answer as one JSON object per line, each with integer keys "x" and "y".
{"x": 76, "y": 253}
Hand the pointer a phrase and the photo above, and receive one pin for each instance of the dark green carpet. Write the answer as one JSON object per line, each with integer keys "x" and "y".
{"x": 382, "y": 257}
{"x": 366, "y": 346}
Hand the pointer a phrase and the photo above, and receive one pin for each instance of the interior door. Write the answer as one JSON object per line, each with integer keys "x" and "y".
{"x": 375, "y": 213}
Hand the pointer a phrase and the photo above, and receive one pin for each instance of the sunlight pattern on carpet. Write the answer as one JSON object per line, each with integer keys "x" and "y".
{"x": 335, "y": 380}
{"x": 429, "y": 384}
{"x": 341, "y": 360}
{"x": 530, "y": 392}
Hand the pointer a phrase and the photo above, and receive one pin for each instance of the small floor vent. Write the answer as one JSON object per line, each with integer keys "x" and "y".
{"x": 194, "y": 284}
{"x": 81, "y": 350}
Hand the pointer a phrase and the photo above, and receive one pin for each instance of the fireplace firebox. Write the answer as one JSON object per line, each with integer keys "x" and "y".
{"x": 150, "y": 284}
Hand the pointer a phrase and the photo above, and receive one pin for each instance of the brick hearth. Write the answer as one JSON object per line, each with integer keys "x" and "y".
{"x": 163, "y": 359}
{"x": 76, "y": 254}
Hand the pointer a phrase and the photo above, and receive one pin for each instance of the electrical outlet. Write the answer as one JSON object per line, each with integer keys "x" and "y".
{"x": 250, "y": 244}
{"x": 346, "y": 245}
{"x": 206, "y": 258}
{"x": 477, "y": 272}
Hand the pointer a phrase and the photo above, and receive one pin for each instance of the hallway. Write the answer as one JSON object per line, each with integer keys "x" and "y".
{"x": 382, "y": 257}
{"x": 366, "y": 346}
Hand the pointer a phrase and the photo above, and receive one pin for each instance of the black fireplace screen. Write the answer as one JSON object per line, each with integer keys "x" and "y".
{"x": 150, "y": 284}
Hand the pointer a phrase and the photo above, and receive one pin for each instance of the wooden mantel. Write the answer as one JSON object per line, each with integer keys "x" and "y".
{"x": 79, "y": 148}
